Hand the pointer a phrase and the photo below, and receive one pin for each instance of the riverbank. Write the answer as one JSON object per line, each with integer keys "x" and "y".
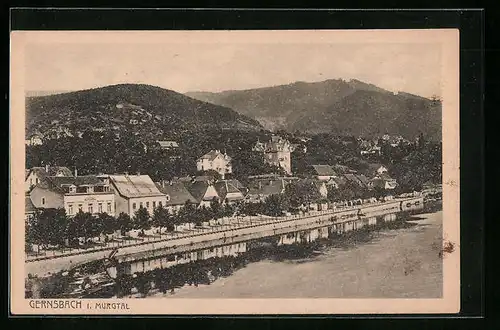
{"x": 393, "y": 263}
{"x": 48, "y": 267}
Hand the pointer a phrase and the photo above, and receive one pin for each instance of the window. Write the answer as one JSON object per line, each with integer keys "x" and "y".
{"x": 70, "y": 209}
{"x": 160, "y": 203}
{"x": 80, "y": 207}
{"x": 98, "y": 189}
{"x": 99, "y": 207}
{"x": 167, "y": 197}
{"x": 37, "y": 180}
{"x": 91, "y": 208}
{"x": 154, "y": 204}
{"x": 134, "y": 206}
{"x": 109, "y": 207}
{"x": 147, "y": 205}
{"x": 43, "y": 200}
{"x": 81, "y": 190}
{"x": 140, "y": 205}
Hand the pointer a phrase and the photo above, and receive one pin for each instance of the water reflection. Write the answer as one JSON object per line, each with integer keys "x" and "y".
{"x": 169, "y": 274}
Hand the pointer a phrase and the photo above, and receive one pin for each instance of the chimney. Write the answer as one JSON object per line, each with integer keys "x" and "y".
{"x": 76, "y": 172}
{"x": 260, "y": 185}
{"x": 47, "y": 168}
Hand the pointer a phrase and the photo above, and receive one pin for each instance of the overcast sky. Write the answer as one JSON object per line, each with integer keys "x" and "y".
{"x": 231, "y": 64}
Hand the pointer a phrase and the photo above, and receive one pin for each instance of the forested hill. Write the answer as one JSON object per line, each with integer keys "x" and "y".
{"x": 143, "y": 109}
{"x": 335, "y": 105}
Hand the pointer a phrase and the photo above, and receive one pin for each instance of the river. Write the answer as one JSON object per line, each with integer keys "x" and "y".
{"x": 388, "y": 263}
{"x": 388, "y": 256}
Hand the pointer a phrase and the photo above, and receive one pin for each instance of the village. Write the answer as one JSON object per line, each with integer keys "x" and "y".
{"x": 65, "y": 211}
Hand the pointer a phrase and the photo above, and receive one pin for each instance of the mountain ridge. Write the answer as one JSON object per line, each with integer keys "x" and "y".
{"x": 138, "y": 107}
{"x": 309, "y": 107}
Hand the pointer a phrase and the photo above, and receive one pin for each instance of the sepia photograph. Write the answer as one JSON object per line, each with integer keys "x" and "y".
{"x": 192, "y": 172}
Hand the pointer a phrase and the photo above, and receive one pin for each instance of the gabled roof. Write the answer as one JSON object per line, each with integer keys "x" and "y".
{"x": 76, "y": 180}
{"x": 56, "y": 183}
{"x": 354, "y": 179}
{"x": 198, "y": 190}
{"x": 28, "y": 205}
{"x": 212, "y": 154}
{"x": 233, "y": 187}
{"x": 266, "y": 188}
{"x": 176, "y": 191}
{"x": 323, "y": 170}
{"x": 52, "y": 171}
{"x": 134, "y": 185}
{"x": 341, "y": 168}
{"x": 316, "y": 183}
{"x": 362, "y": 178}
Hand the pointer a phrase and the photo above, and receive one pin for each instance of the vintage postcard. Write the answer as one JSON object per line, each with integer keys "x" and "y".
{"x": 234, "y": 172}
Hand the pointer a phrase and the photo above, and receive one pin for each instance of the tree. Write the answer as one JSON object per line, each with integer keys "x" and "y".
{"x": 142, "y": 219}
{"x": 187, "y": 212}
{"x": 302, "y": 193}
{"x": 216, "y": 208}
{"x": 109, "y": 224}
{"x": 48, "y": 226}
{"x": 124, "y": 223}
{"x": 84, "y": 225}
{"x": 275, "y": 205}
{"x": 162, "y": 218}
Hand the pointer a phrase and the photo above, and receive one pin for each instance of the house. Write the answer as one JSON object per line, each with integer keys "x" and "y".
{"x": 168, "y": 145}
{"x": 29, "y": 208}
{"x": 383, "y": 181}
{"x": 363, "y": 179}
{"x": 177, "y": 194}
{"x": 230, "y": 191}
{"x": 353, "y": 178}
{"x": 319, "y": 186}
{"x": 203, "y": 192}
{"x": 216, "y": 161}
{"x": 260, "y": 189}
{"x": 136, "y": 191}
{"x": 371, "y": 150}
{"x": 276, "y": 152}
{"x": 74, "y": 193}
{"x": 323, "y": 172}
{"x": 342, "y": 169}
{"x": 35, "y": 174}
{"x": 34, "y": 139}
{"x": 336, "y": 182}
{"x": 375, "y": 169}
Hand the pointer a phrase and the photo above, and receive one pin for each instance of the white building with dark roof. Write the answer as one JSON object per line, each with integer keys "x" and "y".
{"x": 216, "y": 161}
{"x": 276, "y": 152}
{"x": 74, "y": 193}
{"x": 136, "y": 191}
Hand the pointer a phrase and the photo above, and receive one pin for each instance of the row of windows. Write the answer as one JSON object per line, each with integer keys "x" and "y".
{"x": 84, "y": 190}
{"x": 147, "y": 205}
{"x": 90, "y": 208}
